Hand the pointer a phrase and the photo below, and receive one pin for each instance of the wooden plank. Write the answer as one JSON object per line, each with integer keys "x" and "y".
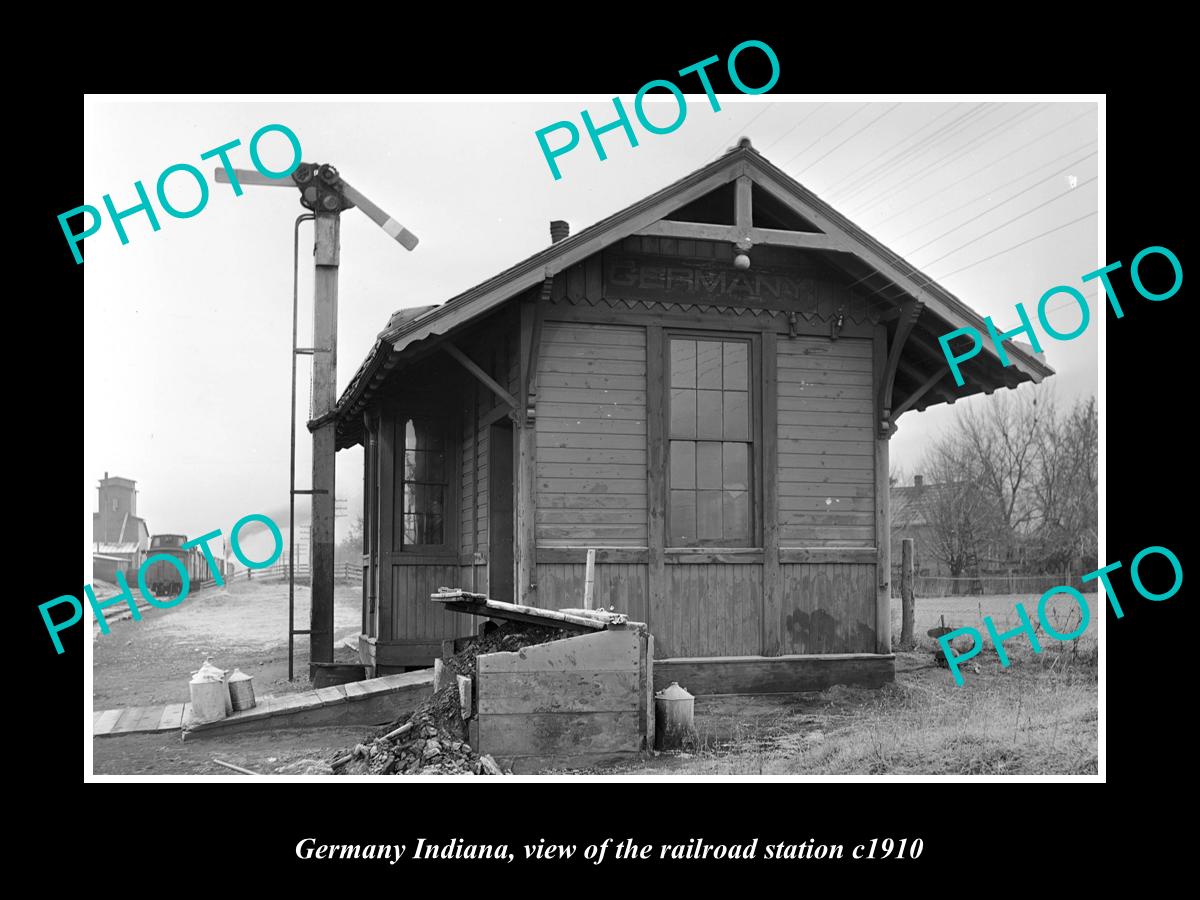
{"x": 527, "y": 463}
{"x": 547, "y": 501}
{"x": 805, "y": 517}
{"x": 589, "y": 580}
{"x": 471, "y": 366}
{"x": 743, "y": 208}
{"x": 772, "y": 675}
{"x": 676, "y": 557}
{"x": 604, "y": 650}
{"x": 656, "y": 484}
{"x": 521, "y": 613}
{"x": 604, "y": 556}
{"x": 558, "y": 332}
{"x": 593, "y": 470}
{"x": 820, "y": 555}
{"x": 829, "y": 504}
{"x": 591, "y": 486}
{"x": 591, "y": 366}
{"x": 771, "y": 596}
{"x": 792, "y": 478}
{"x": 171, "y": 718}
{"x": 105, "y": 721}
{"x": 593, "y": 517}
{"x": 823, "y": 489}
{"x": 137, "y": 718}
{"x": 554, "y": 395}
{"x": 848, "y": 462}
{"x": 590, "y": 409}
{"x": 593, "y": 382}
{"x": 585, "y": 429}
{"x": 856, "y": 447}
{"x": 577, "y": 690}
{"x": 696, "y": 231}
{"x": 602, "y": 353}
{"x": 593, "y": 447}
{"x": 627, "y": 535}
{"x": 567, "y": 734}
{"x": 844, "y": 534}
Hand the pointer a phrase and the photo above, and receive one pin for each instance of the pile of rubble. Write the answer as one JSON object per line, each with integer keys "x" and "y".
{"x": 432, "y": 739}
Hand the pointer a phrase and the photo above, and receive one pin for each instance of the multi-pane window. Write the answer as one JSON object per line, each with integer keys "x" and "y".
{"x": 425, "y": 483}
{"x": 710, "y": 443}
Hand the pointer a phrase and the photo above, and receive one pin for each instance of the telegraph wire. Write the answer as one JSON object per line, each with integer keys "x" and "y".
{"x": 825, "y": 135}
{"x": 1000, "y": 187}
{"x": 1002, "y": 202}
{"x": 837, "y": 185}
{"x": 1008, "y": 222}
{"x": 793, "y": 128}
{"x": 951, "y": 129}
{"x": 922, "y": 174}
{"x": 974, "y": 172}
{"x": 854, "y": 135}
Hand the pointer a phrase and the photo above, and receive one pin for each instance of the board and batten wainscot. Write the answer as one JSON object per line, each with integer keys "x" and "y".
{"x": 701, "y": 388}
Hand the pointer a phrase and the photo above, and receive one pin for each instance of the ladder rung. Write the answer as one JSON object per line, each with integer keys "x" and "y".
{"x": 318, "y": 491}
{"x": 305, "y": 631}
{"x": 309, "y": 351}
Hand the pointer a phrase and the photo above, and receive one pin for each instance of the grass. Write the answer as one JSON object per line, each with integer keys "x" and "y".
{"x": 1038, "y": 715}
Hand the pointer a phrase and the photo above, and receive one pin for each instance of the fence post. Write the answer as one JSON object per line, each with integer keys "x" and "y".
{"x": 906, "y": 594}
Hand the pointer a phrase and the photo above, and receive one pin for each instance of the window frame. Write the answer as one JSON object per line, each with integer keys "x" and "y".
{"x": 753, "y": 340}
{"x": 448, "y": 546}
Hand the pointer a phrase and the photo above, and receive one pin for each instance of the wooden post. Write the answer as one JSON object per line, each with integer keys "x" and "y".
{"x": 883, "y": 534}
{"x": 906, "y": 594}
{"x": 656, "y": 482}
{"x": 589, "y": 580}
{"x": 772, "y": 607}
{"x": 526, "y": 588}
{"x": 324, "y": 396}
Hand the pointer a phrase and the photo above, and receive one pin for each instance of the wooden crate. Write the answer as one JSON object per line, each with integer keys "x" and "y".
{"x": 574, "y": 702}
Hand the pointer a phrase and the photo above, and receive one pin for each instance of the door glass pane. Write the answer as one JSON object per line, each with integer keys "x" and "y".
{"x": 737, "y": 515}
{"x": 683, "y": 413}
{"x": 708, "y": 515}
{"x": 708, "y": 414}
{"x": 683, "y": 363}
{"x": 708, "y": 465}
{"x": 683, "y": 464}
{"x": 708, "y": 364}
{"x": 736, "y": 475}
{"x": 683, "y": 518}
{"x": 737, "y": 366}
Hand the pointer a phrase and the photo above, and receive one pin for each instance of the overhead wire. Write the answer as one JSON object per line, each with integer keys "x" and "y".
{"x": 922, "y": 174}
{"x": 973, "y": 115}
{"x": 850, "y": 175}
{"x": 742, "y": 130}
{"x": 824, "y": 135}
{"x": 1000, "y": 187}
{"x": 794, "y": 127}
{"x": 992, "y": 209}
{"x": 988, "y": 165}
{"x": 852, "y": 136}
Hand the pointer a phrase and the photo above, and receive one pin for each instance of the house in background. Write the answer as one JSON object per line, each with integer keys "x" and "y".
{"x": 701, "y": 387}
{"x": 118, "y": 534}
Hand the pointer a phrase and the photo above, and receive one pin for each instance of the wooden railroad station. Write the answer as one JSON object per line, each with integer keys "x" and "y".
{"x": 701, "y": 387}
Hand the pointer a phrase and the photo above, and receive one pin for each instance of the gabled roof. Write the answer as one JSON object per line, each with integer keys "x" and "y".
{"x": 877, "y": 269}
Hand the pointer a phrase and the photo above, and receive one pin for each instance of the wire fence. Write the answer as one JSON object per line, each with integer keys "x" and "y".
{"x": 964, "y": 586}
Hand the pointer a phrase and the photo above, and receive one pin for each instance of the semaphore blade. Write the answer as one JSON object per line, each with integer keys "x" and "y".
{"x": 393, "y": 228}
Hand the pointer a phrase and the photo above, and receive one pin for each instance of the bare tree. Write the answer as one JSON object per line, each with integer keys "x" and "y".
{"x": 1065, "y": 490}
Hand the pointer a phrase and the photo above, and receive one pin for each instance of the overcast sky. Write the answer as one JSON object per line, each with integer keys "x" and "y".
{"x": 188, "y": 329}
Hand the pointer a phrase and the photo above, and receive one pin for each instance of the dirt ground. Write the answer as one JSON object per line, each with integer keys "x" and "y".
{"x": 1038, "y": 716}
{"x": 243, "y": 624}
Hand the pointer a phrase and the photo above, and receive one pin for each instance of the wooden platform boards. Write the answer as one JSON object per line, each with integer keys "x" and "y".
{"x": 775, "y": 674}
{"x": 370, "y": 702}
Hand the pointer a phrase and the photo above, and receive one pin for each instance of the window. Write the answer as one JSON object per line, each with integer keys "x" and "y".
{"x": 114, "y": 502}
{"x": 709, "y": 443}
{"x": 425, "y": 483}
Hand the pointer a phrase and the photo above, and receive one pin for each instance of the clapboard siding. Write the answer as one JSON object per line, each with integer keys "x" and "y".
{"x": 828, "y": 608}
{"x": 619, "y": 585}
{"x": 826, "y": 444}
{"x": 709, "y": 610}
{"x": 414, "y": 617}
{"x": 591, "y": 436}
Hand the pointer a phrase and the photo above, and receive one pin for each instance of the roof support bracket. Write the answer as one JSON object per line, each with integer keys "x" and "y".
{"x": 910, "y": 311}
{"x": 488, "y": 381}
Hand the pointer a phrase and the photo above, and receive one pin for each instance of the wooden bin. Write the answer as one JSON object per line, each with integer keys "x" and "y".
{"x": 573, "y": 702}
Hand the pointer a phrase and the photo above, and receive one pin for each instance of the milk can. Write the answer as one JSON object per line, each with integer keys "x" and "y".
{"x": 673, "y": 708}
{"x": 241, "y": 690}
{"x": 209, "y": 694}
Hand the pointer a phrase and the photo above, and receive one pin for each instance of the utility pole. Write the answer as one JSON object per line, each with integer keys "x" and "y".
{"x": 326, "y": 194}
